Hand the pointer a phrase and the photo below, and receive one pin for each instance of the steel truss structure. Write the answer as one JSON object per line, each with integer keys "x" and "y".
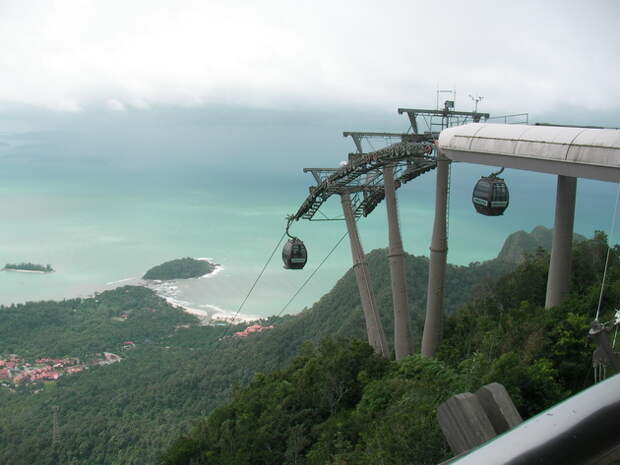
{"x": 363, "y": 177}
{"x": 362, "y": 183}
{"x": 436, "y": 120}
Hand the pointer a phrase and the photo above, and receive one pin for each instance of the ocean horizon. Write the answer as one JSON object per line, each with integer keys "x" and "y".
{"x": 102, "y": 208}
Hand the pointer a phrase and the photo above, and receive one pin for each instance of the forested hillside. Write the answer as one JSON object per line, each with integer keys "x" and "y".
{"x": 341, "y": 404}
{"x": 81, "y": 327}
{"x": 520, "y": 243}
{"x": 129, "y": 412}
{"x": 181, "y": 268}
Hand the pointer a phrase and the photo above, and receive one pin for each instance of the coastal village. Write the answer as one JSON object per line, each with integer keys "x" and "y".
{"x": 252, "y": 329}
{"x": 15, "y": 370}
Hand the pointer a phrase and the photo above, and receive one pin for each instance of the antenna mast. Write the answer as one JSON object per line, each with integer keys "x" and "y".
{"x": 476, "y": 100}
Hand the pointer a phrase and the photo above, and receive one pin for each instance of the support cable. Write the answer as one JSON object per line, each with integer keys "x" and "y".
{"x": 296, "y": 292}
{"x": 255, "y": 282}
{"x": 611, "y": 233}
{"x": 312, "y": 274}
{"x": 448, "y": 195}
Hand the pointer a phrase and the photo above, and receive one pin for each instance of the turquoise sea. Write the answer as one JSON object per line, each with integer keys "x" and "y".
{"x": 105, "y": 198}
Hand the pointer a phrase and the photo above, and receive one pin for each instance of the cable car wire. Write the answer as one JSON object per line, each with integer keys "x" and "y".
{"x": 255, "y": 282}
{"x": 297, "y": 292}
{"x": 611, "y": 232}
{"x": 312, "y": 274}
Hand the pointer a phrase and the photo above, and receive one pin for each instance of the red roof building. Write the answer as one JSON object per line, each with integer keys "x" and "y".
{"x": 252, "y": 329}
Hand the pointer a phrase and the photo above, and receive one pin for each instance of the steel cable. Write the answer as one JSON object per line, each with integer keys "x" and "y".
{"x": 254, "y": 284}
{"x": 611, "y": 232}
{"x": 312, "y": 274}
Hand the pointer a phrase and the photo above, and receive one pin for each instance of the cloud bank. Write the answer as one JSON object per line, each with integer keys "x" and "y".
{"x": 119, "y": 55}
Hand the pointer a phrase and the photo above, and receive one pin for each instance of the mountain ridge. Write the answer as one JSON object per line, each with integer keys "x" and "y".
{"x": 518, "y": 244}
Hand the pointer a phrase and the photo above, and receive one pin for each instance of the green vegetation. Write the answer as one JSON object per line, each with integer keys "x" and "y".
{"x": 81, "y": 327}
{"x": 29, "y": 267}
{"x": 339, "y": 404}
{"x": 181, "y": 268}
{"x": 130, "y": 412}
{"x": 193, "y": 396}
{"x": 520, "y": 243}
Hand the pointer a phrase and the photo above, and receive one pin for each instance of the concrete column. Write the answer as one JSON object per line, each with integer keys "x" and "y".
{"x": 437, "y": 265}
{"x": 402, "y": 325}
{"x": 558, "y": 281}
{"x": 464, "y": 423}
{"x": 376, "y": 336}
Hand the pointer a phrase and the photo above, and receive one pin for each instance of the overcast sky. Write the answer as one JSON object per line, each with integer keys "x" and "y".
{"x": 71, "y": 55}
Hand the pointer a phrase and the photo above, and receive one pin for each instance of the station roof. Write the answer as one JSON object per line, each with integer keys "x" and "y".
{"x": 578, "y": 152}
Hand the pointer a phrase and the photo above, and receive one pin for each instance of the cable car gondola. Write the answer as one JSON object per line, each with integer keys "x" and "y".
{"x": 490, "y": 196}
{"x": 294, "y": 253}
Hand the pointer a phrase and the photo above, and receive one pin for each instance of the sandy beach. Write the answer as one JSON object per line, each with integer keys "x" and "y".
{"x": 208, "y": 313}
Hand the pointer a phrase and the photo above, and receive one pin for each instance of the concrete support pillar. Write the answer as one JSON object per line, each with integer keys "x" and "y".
{"x": 469, "y": 420}
{"x": 402, "y": 325}
{"x": 376, "y": 336}
{"x": 558, "y": 281}
{"x": 437, "y": 266}
{"x": 464, "y": 423}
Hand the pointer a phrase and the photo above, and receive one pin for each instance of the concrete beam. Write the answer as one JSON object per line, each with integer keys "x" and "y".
{"x": 498, "y": 406}
{"x": 464, "y": 423}
{"x": 469, "y": 420}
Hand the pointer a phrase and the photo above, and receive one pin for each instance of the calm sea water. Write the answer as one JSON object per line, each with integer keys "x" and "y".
{"x": 103, "y": 220}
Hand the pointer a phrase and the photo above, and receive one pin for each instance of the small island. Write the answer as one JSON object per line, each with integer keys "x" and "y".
{"x": 181, "y": 268}
{"x": 32, "y": 267}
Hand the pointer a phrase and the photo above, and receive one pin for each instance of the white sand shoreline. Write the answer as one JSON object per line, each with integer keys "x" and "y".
{"x": 207, "y": 317}
{"x": 210, "y": 313}
{"x": 217, "y": 268}
{"x": 122, "y": 280}
{"x": 168, "y": 290}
